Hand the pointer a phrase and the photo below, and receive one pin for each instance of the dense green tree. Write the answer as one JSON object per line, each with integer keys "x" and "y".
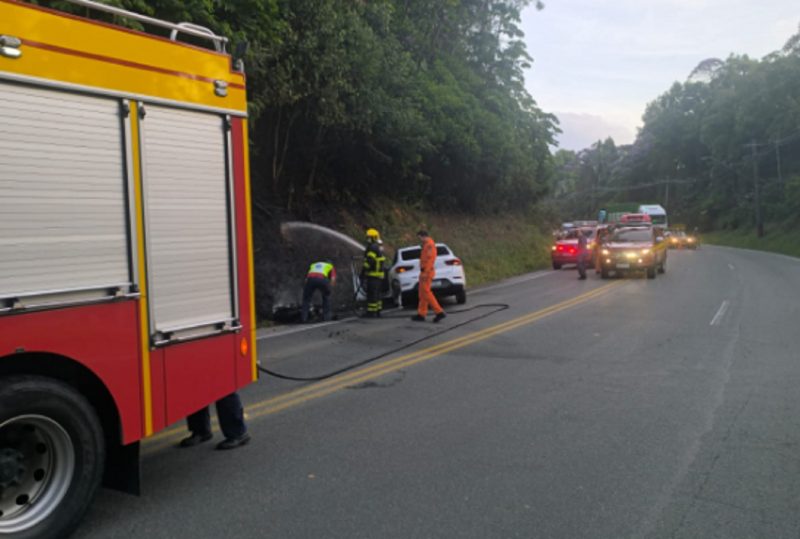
{"x": 422, "y": 100}
{"x": 695, "y": 153}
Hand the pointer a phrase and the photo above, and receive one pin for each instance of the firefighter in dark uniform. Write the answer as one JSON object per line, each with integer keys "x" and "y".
{"x": 373, "y": 273}
{"x": 231, "y": 421}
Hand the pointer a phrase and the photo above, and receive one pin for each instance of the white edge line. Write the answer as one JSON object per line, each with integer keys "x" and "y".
{"x": 730, "y": 267}
{"x": 757, "y": 251}
{"x": 720, "y": 313}
{"x": 307, "y": 327}
{"x": 301, "y": 329}
{"x": 511, "y": 282}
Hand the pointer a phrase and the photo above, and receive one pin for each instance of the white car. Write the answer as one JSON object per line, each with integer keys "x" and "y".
{"x": 404, "y": 275}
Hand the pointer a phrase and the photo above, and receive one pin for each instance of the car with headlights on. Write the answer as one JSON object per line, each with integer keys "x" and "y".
{"x": 633, "y": 248}
{"x": 450, "y": 279}
{"x": 692, "y": 241}
{"x": 675, "y": 239}
{"x": 681, "y": 240}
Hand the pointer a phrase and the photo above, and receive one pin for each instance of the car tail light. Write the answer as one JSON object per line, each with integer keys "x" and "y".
{"x": 453, "y": 262}
{"x": 403, "y": 269}
{"x": 560, "y": 248}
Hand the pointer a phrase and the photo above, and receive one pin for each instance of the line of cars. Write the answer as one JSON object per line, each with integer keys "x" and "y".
{"x": 631, "y": 244}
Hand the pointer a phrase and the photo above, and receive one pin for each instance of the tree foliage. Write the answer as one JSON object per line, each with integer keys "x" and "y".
{"x": 694, "y": 153}
{"x": 421, "y": 100}
{"x": 416, "y": 99}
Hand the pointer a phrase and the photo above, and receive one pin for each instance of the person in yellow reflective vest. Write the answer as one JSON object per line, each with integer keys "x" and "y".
{"x": 321, "y": 276}
{"x": 373, "y": 273}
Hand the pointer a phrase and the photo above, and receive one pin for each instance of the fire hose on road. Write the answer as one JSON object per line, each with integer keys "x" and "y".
{"x": 494, "y": 309}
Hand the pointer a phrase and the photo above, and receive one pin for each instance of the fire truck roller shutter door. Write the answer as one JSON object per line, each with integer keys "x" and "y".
{"x": 63, "y": 205}
{"x": 187, "y": 218}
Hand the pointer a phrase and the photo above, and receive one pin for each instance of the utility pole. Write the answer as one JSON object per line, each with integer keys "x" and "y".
{"x": 756, "y": 193}
{"x": 778, "y": 162}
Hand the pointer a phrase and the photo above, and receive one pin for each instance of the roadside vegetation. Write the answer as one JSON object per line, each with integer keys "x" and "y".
{"x": 492, "y": 247}
{"x": 776, "y": 240}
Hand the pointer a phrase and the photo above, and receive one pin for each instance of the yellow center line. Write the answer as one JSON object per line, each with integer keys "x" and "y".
{"x": 326, "y": 387}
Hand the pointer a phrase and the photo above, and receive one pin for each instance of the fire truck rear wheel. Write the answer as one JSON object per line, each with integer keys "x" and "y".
{"x": 52, "y": 453}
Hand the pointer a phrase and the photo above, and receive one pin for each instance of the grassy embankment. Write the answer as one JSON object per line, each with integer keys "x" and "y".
{"x": 491, "y": 247}
{"x": 776, "y": 240}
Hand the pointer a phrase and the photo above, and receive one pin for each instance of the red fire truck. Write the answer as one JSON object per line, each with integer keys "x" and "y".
{"x": 126, "y": 269}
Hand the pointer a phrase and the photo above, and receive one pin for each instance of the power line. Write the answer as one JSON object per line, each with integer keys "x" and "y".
{"x": 635, "y": 187}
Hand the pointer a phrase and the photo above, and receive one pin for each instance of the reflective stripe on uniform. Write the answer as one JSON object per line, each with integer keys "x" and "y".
{"x": 373, "y": 264}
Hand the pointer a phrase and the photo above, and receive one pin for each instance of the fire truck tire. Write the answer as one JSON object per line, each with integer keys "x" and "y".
{"x": 556, "y": 266}
{"x": 651, "y": 272}
{"x": 603, "y": 273}
{"x": 52, "y": 454}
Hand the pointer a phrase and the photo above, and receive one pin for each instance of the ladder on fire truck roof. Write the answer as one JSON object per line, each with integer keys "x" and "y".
{"x": 182, "y": 27}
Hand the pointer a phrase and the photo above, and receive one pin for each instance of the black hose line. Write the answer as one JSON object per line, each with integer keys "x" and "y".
{"x": 497, "y": 308}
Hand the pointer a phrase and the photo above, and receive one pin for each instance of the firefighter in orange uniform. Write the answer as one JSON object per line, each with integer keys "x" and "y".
{"x": 427, "y": 260}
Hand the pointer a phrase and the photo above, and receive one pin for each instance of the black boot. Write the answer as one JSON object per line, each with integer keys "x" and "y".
{"x": 233, "y": 443}
{"x": 194, "y": 439}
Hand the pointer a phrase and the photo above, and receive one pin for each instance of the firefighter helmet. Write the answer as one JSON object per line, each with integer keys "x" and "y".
{"x": 373, "y": 235}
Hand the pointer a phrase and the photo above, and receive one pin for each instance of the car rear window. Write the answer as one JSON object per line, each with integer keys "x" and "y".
{"x": 413, "y": 254}
{"x": 633, "y": 235}
{"x": 588, "y": 233}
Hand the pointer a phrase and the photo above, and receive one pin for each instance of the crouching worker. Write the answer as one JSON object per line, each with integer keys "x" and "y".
{"x": 321, "y": 276}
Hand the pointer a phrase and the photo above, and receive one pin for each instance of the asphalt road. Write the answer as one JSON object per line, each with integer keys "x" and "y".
{"x": 586, "y": 409}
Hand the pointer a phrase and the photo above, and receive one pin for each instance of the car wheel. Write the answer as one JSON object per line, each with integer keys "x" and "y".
{"x": 651, "y": 272}
{"x": 604, "y": 273}
{"x": 52, "y": 454}
{"x": 410, "y": 299}
{"x": 461, "y": 297}
{"x": 556, "y": 266}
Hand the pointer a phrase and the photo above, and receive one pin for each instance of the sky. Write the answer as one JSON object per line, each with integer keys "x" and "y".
{"x": 597, "y": 63}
